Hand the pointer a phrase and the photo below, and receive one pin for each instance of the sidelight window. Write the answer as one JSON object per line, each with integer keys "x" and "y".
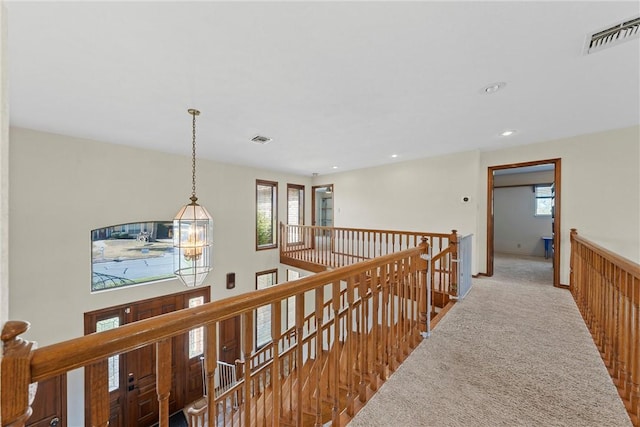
{"x": 114, "y": 361}
{"x": 196, "y": 336}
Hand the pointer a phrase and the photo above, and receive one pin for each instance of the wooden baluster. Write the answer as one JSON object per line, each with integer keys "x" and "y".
{"x": 99, "y": 409}
{"x": 335, "y": 379}
{"x": 210, "y": 364}
{"x": 299, "y": 353}
{"x": 248, "y": 347}
{"x": 16, "y": 375}
{"x": 363, "y": 338}
{"x": 276, "y": 377}
{"x": 375, "y": 335}
{"x": 384, "y": 327}
{"x": 319, "y": 303}
{"x": 393, "y": 317}
{"x": 163, "y": 379}
{"x": 634, "y": 345}
{"x": 350, "y": 350}
{"x": 413, "y": 301}
{"x": 422, "y": 290}
{"x": 453, "y": 279}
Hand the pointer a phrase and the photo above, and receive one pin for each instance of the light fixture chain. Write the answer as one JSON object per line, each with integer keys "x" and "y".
{"x": 193, "y": 157}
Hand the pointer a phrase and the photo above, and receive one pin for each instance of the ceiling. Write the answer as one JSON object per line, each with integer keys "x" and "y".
{"x": 335, "y": 84}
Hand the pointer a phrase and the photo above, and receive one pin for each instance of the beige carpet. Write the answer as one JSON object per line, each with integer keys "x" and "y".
{"x": 515, "y": 352}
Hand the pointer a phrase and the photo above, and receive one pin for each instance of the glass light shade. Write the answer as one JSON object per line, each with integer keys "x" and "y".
{"x": 192, "y": 240}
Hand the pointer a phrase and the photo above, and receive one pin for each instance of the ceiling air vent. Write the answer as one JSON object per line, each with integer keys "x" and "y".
{"x": 259, "y": 139}
{"x": 613, "y": 35}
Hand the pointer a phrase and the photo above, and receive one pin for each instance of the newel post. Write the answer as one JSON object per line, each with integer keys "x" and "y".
{"x": 453, "y": 244}
{"x": 572, "y": 237}
{"x": 16, "y": 375}
{"x": 423, "y": 269}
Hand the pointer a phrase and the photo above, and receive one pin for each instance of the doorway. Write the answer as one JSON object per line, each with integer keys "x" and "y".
{"x": 132, "y": 376}
{"x": 322, "y": 205}
{"x": 552, "y": 241}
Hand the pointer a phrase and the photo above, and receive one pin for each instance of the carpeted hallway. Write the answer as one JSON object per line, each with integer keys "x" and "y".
{"x": 515, "y": 352}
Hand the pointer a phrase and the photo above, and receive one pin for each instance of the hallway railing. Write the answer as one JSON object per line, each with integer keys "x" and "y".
{"x": 334, "y": 247}
{"x": 606, "y": 288}
{"x": 351, "y": 347}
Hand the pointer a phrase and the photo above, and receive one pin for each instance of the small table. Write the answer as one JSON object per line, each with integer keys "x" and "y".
{"x": 547, "y": 245}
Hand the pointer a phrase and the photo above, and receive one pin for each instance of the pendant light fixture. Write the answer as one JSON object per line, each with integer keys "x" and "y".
{"x": 192, "y": 231}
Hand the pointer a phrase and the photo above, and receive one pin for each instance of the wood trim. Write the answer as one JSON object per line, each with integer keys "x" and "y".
{"x": 522, "y": 185}
{"x": 557, "y": 162}
{"x": 276, "y": 196}
{"x": 65, "y": 356}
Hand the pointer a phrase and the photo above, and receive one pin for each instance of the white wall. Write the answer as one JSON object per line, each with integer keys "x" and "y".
{"x": 4, "y": 169}
{"x": 417, "y": 195}
{"x": 600, "y": 185}
{"x": 63, "y": 187}
{"x": 516, "y": 229}
{"x": 600, "y": 192}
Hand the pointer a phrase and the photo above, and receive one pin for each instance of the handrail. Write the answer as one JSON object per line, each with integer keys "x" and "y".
{"x": 65, "y": 356}
{"x": 317, "y": 248}
{"x": 384, "y": 281}
{"x": 606, "y": 289}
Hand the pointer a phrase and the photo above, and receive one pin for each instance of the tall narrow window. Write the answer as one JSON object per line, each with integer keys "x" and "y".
{"x": 266, "y": 214}
{"x": 291, "y": 301}
{"x": 196, "y": 336}
{"x": 113, "y": 362}
{"x": 264, "y": 279}
{"x": 295, "y": 211}
{"x": 544, "y": 199}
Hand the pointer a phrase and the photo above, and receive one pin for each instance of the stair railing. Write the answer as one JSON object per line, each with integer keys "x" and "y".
{"x": 317, "y": 248}
{"x": 606, "y": 288}
{"x": 375, "y": 326}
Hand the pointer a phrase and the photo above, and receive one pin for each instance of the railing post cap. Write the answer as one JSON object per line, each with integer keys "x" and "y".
{"x": 13, "y": 328}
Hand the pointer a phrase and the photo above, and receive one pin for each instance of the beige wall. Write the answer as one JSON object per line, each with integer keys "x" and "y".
{"x": 600, "y": 192}
{"x": 4, "y": 169}
{"x": 63, "y": 187}
{"x": 600, "y": 185}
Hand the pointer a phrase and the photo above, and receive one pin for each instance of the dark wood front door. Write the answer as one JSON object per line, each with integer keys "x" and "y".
{"x": 142, "y": 400}
{"x": 134, "y": 401}
{"x": 50, "y": 405}
{"x": 229, "y": 350}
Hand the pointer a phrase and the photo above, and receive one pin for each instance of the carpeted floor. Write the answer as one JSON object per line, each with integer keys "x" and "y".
{"x": 515, "y": 352}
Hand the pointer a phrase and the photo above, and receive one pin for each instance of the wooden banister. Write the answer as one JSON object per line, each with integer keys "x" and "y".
{"x": 16, "y": 361}
{"x": 372, "y": 318}
{"x": 606, "y": 289}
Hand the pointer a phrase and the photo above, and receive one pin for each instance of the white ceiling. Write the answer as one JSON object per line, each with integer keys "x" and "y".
{"x": 343, "y": 84}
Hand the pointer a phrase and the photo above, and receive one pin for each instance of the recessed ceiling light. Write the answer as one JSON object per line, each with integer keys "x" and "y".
{"x": 334, "y": 167}
{"x": 394, "y": 156}
{"x": 492, "y": 88}
{"x": 508, "y": 132}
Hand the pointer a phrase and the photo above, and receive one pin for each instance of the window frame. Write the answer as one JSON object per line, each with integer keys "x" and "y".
{"x": 300, "y": 214}
{"x": 274, "y": 214}
{"x": 537, "y": 197}
{"x": 274, "y": 273}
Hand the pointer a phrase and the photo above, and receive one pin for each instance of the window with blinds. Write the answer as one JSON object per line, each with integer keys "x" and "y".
{"x": 295, "y": 211}
{"x": 264, "y": 279}
{"x": 266, "y": 214}
{"x": 544, "y": 199}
